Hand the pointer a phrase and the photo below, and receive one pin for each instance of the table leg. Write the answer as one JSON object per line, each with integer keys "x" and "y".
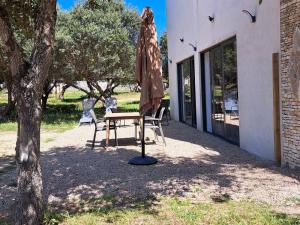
{"x": 107, "y": 132}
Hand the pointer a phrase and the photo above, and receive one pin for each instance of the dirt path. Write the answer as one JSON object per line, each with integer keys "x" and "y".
{"x": 8, "y": 141}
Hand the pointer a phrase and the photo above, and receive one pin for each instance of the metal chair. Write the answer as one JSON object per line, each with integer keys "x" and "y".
{"x": 111, "y": 105}
{"x": 87, "y": 105}
{"x": 136, "y": 123}
{"x": 167, "y": 114}
{"x": 234, "y": 112}
{"x": 100, "y": 126}
{"x": 155, "y": 124}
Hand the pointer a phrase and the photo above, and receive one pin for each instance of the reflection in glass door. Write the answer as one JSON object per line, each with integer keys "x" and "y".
{"x": 217, "y": 93}
{"x": 225, "y": 106}
{"x": 186, "y": 82}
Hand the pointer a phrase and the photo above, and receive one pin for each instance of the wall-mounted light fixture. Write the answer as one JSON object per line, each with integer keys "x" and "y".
{"x": 211, "y": 18}
{"x": 193, "y": 46}
{"x": 252, "y": 17}
{"x": 170, "y": 60}
{"x": 181, "y": 39}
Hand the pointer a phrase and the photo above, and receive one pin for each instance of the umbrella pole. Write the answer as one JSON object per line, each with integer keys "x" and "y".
{"x": 143, "y": 160}
{"x": 143, "y": 137}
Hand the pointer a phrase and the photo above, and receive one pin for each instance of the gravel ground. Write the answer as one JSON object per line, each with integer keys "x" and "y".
{"x": 193, "y": 165}
{"x": 8, "y": 141}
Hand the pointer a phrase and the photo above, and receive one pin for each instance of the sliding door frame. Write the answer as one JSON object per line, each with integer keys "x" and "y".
{"x": 191, "y": 62}
{"x": 203, "y": 84}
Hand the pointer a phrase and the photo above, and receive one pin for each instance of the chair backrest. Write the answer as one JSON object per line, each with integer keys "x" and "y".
{"x": 93, "y": 115}
{"x": 161, "y": 113}
{"x": 111, "y": 105}
{"x": 154, "y": 112}
{"x": 165, "y": 103}
{"x": 88, "y": 104}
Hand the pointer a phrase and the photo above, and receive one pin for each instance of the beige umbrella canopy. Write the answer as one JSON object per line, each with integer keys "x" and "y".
{"x": 148, "y": 76}
{"x": 148, "y": 64}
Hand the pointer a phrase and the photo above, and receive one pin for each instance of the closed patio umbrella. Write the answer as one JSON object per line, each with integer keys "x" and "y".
{"x": 148, "y": 75}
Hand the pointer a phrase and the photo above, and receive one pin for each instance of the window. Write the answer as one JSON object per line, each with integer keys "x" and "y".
{"x": 186, "y": 89}
{"x": 221, "y": 95}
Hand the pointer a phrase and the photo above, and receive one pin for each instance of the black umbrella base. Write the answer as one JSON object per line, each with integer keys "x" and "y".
{"x": 143, "y": 161}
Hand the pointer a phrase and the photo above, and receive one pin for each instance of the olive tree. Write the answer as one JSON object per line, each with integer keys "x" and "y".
{"x": 163, "y": 45}
{"x": 96, "y": 42}
{"x": 36, "y": 20}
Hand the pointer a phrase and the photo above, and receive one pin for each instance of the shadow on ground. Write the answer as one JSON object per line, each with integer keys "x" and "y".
{"x": 227, "y": 153}
{"x": 73, "y": 175}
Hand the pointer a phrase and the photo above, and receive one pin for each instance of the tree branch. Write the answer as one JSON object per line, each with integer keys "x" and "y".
{"x": 80, "y": 89}
{"x": 52, "y": 87}
{"x": 48, "y": 87}
{"x": 11, "y": 47}
{"x": 44, "y": 41}
{"x": 98, "y": 87}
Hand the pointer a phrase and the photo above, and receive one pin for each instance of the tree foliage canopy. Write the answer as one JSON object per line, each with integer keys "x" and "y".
{"x": 22, "y": 14}
{"x": 96, "y": 42}
{"x": 163, "y": 44}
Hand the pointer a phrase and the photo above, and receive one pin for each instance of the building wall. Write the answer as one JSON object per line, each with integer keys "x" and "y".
{"x": 290, "y": 19}
{"x": 256, "y": 42}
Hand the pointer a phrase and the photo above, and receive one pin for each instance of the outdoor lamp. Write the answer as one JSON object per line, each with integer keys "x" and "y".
{"x": 211, "y": 18}
{"x": 193, "y": 46}
{"x": 253, "y": 17}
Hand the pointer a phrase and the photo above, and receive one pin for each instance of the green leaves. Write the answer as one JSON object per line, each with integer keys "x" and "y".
{"x": 22, "y": 14}
{"x": 96, "y": 42}
{"x": 163, "y": 45}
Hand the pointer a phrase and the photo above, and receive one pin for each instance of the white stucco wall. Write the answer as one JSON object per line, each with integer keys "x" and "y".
{"x": 256, "y": 42}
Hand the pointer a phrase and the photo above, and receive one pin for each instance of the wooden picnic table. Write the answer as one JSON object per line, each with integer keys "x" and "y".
{"x": 119, "y": 116}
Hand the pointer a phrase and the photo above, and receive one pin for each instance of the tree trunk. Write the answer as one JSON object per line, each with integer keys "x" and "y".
{"x": 44, "y": 101}
{"x": 63, "y": 91}
{"x": 10, "y": 100}
{"x": 113, "y": 88}
{"x": 92, "y": 92}
{"x": 28, "y": 79}
{"x": 47, "y": 89}
{"x": 101, "y": 98}
{"x": 29, "y": 209}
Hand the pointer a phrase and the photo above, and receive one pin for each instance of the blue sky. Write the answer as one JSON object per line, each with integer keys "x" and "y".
{"x": 158, "y": 7}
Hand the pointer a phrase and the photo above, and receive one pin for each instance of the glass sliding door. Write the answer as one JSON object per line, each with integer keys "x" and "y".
{"x": 186, "y": 83}
{"x": 224, "y": 86}
{"x": 218, "y": 113}
{"x": 231, "y": 100}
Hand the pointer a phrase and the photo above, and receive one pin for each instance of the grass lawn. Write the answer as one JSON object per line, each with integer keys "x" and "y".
{"x": 64, "y": 115}
{"x": 173, "y": 211}
{"x": 60, "y": 115}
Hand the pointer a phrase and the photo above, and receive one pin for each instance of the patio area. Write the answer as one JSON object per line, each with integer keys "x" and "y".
{"x": 194, "y": 165}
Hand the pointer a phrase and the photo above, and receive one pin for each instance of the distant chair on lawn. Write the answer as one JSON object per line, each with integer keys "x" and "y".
{"x": 100, "y": 126}
{"x": 87, "y": 105}
{"x": 111, "y": 105}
